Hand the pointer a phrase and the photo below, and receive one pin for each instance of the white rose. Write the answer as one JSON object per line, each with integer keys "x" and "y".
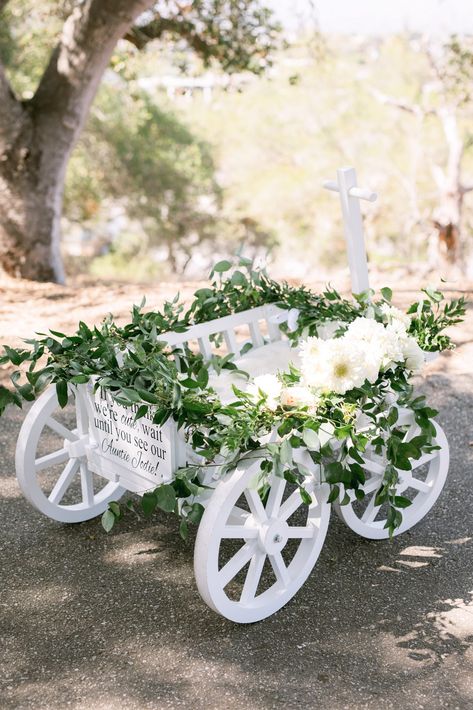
{"x": 413, "y": 354}
{"x": 269, "y": 385}
{"x": 298, "y": 396}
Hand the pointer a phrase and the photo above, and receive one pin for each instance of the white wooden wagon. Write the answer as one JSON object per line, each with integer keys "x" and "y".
{"x": 250, "y": 558}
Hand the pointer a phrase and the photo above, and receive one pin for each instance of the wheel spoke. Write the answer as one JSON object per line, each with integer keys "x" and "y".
{"x": 374, "y": 466}
{"x": 239, "y": 531}
{"x": 371, "y": 485}
{"x": 63, "y": 482}
{"x": 253, "y": 577}
{"x": 256, "y": 506}
{"x": 280, "y": 569}
{"x": 236, "y": 563}
{"x": 415, "y": 463}
{"x": 290, "y": 505}
{"x": 412, "y": 432}
{"x": 81, "y": 414}
{"x": 275, "y": 496}
{"x": 238, "y": 516}
{"x": 87, "y": 484}
{"x": 420, "y": 486}
{"x": 55, "y": 457}
{"x": 61, "y": 429}
{"x": 303, "y": 531}
{"x": 370, "y": 512}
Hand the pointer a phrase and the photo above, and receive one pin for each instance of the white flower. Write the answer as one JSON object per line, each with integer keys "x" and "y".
{"x": 413, "y": 354}
{"x": 365, "y": 329}
{"x": 298, "y": 396}
{"x": 384, "y": 339}
{"x": 393, "y": 314}
{"x": 328, "y": 329}
{"x": 270, "y": 386}
{"x": 345, "y": 366}
{"x": 312, "y": 357}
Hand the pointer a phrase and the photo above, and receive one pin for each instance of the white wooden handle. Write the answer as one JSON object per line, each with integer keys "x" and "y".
{"x": 361, "y": 192}
{"x": 350, "y": 194}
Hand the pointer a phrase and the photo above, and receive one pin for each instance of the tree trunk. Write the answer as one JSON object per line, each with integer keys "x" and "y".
{"x": 448, "y": 214}
{"x": 37, "y": 136}
{"x": 31, "y": 186}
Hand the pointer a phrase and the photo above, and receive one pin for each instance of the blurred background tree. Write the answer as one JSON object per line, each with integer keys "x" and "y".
{"x": 214, "y": 134}
{"x": 42, "y": 112}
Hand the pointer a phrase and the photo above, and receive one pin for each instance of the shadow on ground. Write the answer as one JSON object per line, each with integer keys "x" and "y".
{"x": 97, "y": 621}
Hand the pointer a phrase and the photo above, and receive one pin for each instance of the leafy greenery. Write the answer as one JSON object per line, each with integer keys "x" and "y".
{"x": 140, "y": 371}
{"x": 431, "y": 316}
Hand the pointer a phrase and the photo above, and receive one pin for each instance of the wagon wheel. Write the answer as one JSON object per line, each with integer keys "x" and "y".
{"x": 250, "y": 558}
{"x": 51, "y": 465}
{"x": 422, "y": 485}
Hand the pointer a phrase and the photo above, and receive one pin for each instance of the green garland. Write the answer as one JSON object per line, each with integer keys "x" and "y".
{"x": 138, "y": 369}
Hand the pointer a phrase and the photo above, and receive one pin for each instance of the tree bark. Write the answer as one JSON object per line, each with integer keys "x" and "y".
{"x": 37, "y": 136}
{"x": 448, "y": 214}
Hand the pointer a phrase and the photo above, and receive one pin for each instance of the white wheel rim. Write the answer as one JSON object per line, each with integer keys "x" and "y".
{"x": 265, "y": 532}
{"x": 424, "y": 491}
{"x": 29, "y": 465}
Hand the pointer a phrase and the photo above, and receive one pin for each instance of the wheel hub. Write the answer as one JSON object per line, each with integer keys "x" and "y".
{"x": 273, "y": 536}
{"x": 77, "y": 449}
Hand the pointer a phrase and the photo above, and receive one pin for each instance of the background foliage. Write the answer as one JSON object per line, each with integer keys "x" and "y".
{"x": 164, "y": 166}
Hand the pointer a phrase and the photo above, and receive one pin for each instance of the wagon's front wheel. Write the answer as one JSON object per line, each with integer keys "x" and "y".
{"x": 52, "y": 469}
{"x": 251, "y": 557}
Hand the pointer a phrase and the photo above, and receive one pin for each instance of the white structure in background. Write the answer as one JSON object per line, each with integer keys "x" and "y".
{"x": 190, "y": 86}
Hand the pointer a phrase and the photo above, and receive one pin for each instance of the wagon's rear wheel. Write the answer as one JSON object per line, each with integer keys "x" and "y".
{"x": 252, "y": 557}
{"x": 54, "y": 475}
{"x": 422, "y": 485}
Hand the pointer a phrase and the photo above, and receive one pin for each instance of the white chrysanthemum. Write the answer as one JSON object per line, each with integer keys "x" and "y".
{"x": 393, "y": 314}
{"x": 386, "y": 340}
{"x": 339, "y": 364}
{"x": 413, "y": 354}
{"x": 298, "y": 395}
{"x": 366, "y": 329}
{"x": 312, "y": 358}
{"x": 269, "y": 385}
{"x": 345, "y": 365}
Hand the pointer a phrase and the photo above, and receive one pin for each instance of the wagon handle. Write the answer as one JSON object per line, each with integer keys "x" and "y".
{"x": 350, "y": 194}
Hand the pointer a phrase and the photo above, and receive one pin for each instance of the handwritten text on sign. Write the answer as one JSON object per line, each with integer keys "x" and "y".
{"x": 141, "y": 446}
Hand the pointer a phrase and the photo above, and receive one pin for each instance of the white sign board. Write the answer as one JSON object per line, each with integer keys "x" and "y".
{"x": 143, "y": 448}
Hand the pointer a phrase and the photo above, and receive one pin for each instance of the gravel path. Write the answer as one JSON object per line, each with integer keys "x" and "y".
{"x": 96, "y": 621}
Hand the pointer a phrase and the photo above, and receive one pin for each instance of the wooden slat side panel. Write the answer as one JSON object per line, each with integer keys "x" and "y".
{"x": 205, "y": 347}
{"x": 231, "y": 342}
{"x": 255, "y": 333}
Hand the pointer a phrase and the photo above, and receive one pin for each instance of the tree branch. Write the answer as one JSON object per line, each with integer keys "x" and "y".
{"x": 238, "y": 34}
{"x": 140, "y": 36}
{"x": 75, "y": 69}
{"x": 401, "y": 104}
